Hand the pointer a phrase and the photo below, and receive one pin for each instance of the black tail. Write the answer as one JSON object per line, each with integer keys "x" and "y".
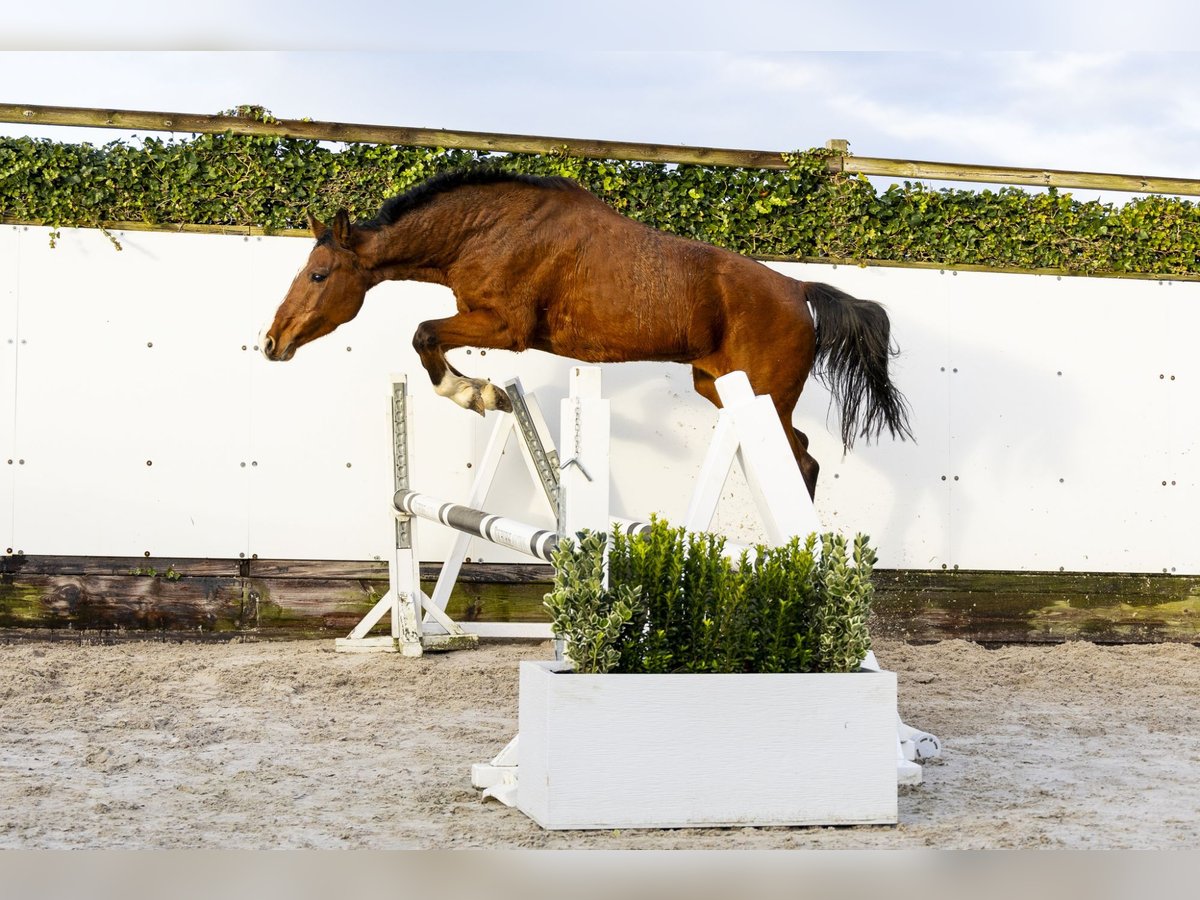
{"x": 853, "y": 348}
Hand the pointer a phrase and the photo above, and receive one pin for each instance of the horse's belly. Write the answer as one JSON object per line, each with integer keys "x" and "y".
{"x": 624, "y": 335}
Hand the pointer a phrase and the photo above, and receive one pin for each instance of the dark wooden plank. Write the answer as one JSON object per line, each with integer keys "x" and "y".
{"x": 331, "y": 569}
{"x": 486, "y": 573}
{"x": 1036, "y": 607}
{"x": 104, "y": 602}
{"x": 162, "y": 566}
{"x": 480, "y": 602}
{"x": 1102, "y": 586}
{"x": 495, "y": 573}
{"x": 327, "y": 598}
{"x": 312, "y": 604}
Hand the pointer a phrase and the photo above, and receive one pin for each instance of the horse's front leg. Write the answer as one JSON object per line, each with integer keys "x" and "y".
{"x": 478, "y": 328}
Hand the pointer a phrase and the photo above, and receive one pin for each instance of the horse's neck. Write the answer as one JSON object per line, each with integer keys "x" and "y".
{"x": 423, "y": 244}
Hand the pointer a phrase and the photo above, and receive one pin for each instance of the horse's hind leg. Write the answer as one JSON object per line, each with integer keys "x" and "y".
{"x": 809, "y": 467}
{"x": 478, "y": 328}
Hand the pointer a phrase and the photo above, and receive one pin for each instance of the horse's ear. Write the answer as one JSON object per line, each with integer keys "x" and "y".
{"x": 341, "y": 228}
{"x": 319, "y": 228}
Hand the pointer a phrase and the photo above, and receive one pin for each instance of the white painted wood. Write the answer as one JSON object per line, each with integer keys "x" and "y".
{"x": 714, "y": 473}
{"x": 663, "y": 751}
{"x": 376, "y": 644}
{"x": 532, "y": 630}
{"x": 370, "y": 620}
{"x": 584, "y": 455}
{"x": 774, "y": 479}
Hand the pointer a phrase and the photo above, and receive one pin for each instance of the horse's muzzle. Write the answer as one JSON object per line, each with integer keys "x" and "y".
{"x": 274, "y": 353}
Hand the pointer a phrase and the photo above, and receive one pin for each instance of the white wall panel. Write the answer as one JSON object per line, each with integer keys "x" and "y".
{"x": 130, "y": 417}
{"x": 1179, "y": 364}
{"x": 9, "y": 349}
{"x": 897, "y": 492}
{"x": 1033, "y": 449}
{"x": 1015, "y": 466}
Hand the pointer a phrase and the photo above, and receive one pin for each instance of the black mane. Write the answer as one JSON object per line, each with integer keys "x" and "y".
{"x": 393, "y": 209}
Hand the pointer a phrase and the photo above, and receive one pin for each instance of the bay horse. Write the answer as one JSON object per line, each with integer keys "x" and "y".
{"x": 542, "y": 263}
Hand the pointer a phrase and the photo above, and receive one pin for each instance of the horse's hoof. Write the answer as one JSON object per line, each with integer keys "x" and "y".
{"x": 503, "y": 403}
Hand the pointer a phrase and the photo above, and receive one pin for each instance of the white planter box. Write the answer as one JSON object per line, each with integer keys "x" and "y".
{"x": 674, "y": 751}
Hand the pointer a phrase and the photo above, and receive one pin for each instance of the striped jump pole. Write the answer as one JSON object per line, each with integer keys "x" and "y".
{"x": 506, "y": 532}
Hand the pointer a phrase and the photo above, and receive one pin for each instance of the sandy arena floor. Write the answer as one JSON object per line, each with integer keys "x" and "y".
{"x": 259, "y": 745}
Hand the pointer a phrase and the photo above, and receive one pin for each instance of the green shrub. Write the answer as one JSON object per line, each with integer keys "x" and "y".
{"x": 583, "y": 613}
{"x": 802, "y": 212}
{"x": 676, "y": 603}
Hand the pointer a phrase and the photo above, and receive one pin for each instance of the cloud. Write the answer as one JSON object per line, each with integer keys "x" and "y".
{"x": 1117, "y": 112}
{"x": 1107, "y": 112}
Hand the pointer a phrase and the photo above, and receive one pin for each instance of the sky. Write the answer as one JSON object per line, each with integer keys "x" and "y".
{"x": 1096, "y": 86}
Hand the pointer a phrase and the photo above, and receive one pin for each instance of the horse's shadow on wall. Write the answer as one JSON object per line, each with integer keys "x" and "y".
{"x": 1001, "y": 470}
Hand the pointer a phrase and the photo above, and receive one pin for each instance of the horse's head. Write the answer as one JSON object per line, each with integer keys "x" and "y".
{"x": 326, "y": 293}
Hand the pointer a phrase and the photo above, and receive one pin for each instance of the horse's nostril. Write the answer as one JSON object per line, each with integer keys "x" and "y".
{"x": 268, "y": 344}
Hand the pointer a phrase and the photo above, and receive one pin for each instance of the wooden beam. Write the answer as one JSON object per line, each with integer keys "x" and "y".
{"x": 314, "y": 598}
{"x": 126, "y": 119}
{"x": 1058, "y": 178}
{"x": 1036, "y": 607}
{"x": 89, "y": 117}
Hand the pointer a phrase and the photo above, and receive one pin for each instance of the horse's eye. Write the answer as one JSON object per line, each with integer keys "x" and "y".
{"x": 317, "y": 276}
